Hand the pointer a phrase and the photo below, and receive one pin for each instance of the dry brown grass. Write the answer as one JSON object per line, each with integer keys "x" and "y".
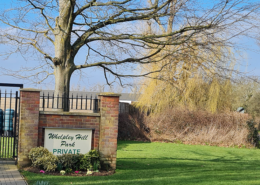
{"x": 189, "y": 127}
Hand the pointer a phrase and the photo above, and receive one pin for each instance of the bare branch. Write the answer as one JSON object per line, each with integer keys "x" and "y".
{"x": 128, "y": 60}
{"x": 45, "y": 17}
{"x": 24, "y": 29}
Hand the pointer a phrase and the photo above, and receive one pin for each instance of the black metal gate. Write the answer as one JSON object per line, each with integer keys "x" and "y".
{"x": 9, "y": 121}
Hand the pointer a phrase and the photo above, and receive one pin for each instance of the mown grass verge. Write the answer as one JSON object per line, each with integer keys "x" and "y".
{"x": 6, "y": 147}
{"x": 168, "y": 163}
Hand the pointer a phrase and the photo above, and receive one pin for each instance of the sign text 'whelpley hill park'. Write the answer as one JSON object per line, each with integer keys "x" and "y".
{"x": 67, "y": 141}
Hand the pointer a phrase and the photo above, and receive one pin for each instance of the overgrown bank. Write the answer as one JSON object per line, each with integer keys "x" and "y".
{"x": 187, "y": 126}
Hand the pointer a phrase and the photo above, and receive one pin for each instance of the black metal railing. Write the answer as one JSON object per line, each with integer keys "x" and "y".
{"x": 9, "y": 123}
{"x": 127, "y": 108}
{"x": 124, "y": 107}
{"x": 49, "y": 102}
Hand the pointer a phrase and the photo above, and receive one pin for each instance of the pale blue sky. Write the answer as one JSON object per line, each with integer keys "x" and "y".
{"x": 250, "y": 64}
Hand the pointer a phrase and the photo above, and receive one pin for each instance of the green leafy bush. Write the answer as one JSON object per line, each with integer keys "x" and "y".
{"x": 59, "y": 166}
{"x": 93, "y": 154}
{"x": 79, "y": 158}
{"x": 68, "y": 170}
{"x": 43, "y": 159}
{"x": 95, "y": 161}
{"x": 70, "y": 160}
{"x": 37, "y": 152}
{"x": 85, "y": 163}
{"x": 79, "y": 161}
{"x": 96, "y": 165}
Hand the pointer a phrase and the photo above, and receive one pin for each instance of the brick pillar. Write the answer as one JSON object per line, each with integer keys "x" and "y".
{"x": 28, "y": 125}
{"x": 109, "y": 110}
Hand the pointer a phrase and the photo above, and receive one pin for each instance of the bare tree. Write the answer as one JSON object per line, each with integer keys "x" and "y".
{"x": 111, "y": 32}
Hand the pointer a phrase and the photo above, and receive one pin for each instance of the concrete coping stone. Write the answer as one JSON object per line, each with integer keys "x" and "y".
{"x": 70, "y": 113}
{"x": 71, "y": 128}
{"x": 109, "y": 94}
{"x": 30, "y": 89}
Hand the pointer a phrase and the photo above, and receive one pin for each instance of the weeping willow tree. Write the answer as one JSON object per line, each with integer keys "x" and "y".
{"x": 192, "y": 89}
{"x": 187, "y": 84}
{"x": 198, "y": 76}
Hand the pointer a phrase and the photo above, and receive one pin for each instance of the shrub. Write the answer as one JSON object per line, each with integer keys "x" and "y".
{"x": 95, "y": 161}
{"x": 59, "y": 166}
{"x": 85, "y": 162}
{"x": 90, "y": 161}
{"x": 71, "y": 161}
{"x": 43, "y": 159}
{"x": 93, "y": 154}
{"x": 96, "y": 165}
{"x": 252, "y": 136}
{"x": 35, "y": 153}
{"x": 68, "y": 170}
{"x": 79, "y": 161}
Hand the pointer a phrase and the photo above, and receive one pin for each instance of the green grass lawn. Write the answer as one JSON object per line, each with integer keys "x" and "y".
{"x": 6, "y": 147}
{"x": 167, "y": 163}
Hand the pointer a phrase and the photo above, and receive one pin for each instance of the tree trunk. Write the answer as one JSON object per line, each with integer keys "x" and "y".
{"x": 64, "y": 60}
{"x": 62, "y": 88}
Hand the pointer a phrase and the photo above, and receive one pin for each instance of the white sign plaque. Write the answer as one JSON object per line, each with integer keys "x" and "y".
{"x": 67, "y": 141}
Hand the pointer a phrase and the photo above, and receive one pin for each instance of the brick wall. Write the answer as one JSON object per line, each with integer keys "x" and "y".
{"x": 104, "y": 125}
{"x": 70, "y": 120}
{"x": 28, "y": 125}
{"x": 109, "y": 110}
